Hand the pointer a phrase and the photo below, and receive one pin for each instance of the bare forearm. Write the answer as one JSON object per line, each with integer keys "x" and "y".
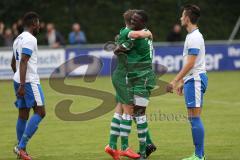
{"x": 140, "y": 34}
{"x": 183, "y": 72}
{"x": 13, "y": 65}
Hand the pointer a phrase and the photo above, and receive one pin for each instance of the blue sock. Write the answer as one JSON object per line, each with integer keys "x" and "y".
{"x": 20, "y": 127}
{"x": 30, "y": 130}
{"x": 198, "y": 135}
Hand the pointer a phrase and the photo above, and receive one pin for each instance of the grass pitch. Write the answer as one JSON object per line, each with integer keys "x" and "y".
{"x": 85, "y": 140}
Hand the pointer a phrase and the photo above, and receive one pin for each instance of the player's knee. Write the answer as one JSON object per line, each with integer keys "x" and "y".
{"x": 128, "y": 109}
{"x": 23, "y": 116}
{"x": 43, "y": 114}
{"x": 40, "y": 111}
{"x": 194, "y": 112}
{"x": 139, "y": 111}
{"x": 24, "y": 113}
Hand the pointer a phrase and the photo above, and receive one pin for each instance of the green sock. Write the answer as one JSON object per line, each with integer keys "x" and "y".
{"x": 149, "y": 140}
{"x": 115, "y": 130}
{"x": 125, "y": 129}
{"x": 142, "y": 128}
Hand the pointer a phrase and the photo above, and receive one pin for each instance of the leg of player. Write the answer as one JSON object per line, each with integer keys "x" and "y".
{"x": 142, "y": 128}
{"x": 150, "y": 147}
{"x": 125, "y": 125}
{"x": 32, "y": 126}
{"x": 23, "y": 115}
{"x": 193, "y": 93}
{"x": 111, "y": 148}
{"x": 34, "y": 98}
{"x": 115, "y": 126}
{"x": 197, "y": 130}
{"x": 125, "y": 129}
{"x": 197, "y": 133}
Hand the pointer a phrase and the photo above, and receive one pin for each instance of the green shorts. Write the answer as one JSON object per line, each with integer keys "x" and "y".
{"x": 140, "y": 88}
{"x": 119, "y": 81}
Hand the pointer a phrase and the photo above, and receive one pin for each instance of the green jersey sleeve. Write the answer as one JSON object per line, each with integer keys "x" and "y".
{"x": 124, "y": 40}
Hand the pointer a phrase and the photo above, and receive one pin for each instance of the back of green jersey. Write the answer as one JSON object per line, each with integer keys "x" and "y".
{"x": 140, "y": 56}
{"x": 122, "y": 58}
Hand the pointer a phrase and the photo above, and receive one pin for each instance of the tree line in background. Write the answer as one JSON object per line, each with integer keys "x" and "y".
{"x": 102, "y": 19}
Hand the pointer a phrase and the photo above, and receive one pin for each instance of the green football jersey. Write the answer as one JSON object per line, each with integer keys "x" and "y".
{"x": 119, "y": 80}
{"x": 125, "y": 41}
{"x": 134, "y": 74}
{"x": 140, "y": 58}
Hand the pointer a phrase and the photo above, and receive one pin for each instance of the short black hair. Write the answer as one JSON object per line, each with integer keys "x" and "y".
{"x": 143, "y": 14}
{"x": 30, "y": 18}
{"x": 193, "y": 12}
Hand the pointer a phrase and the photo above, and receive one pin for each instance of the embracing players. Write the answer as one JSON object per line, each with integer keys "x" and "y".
{"x": 192, "y": 78}
{"x": 27, "y": 86}
{"x": 133, "y": 80}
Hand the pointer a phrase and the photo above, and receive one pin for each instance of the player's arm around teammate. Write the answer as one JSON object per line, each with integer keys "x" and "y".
{"x": 122, "y": 119}
{"x": 132, "y": 35}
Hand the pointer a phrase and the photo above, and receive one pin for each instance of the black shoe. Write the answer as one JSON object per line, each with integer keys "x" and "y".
{"x": 142, "y": 157}
{"x": 150, "y": 148}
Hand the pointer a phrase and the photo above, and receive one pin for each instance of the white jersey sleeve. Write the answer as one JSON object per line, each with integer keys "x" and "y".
{"x": 28, "y": 46}
{"x": 194, "y": 45}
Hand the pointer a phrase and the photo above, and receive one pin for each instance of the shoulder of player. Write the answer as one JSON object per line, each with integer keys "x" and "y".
{"x": 195, "y": 36}
{"x": 126, "y": 31}
{"x": 29, "y": 38}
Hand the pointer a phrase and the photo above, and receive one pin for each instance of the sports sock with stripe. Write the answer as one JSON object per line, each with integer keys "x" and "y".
{"x": 148, "y": 139}
{"x": 115, "y": 130}
{"x": 125, "y": 129}
{"x": 142, "y": 128}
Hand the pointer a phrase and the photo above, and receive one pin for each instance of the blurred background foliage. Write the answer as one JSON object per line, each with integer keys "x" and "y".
{"x": 102, "y": 19}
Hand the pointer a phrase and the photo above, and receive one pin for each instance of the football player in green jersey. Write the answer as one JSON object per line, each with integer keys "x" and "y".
{"x": 140, "y": 78}
{"x": 122, "y": 94}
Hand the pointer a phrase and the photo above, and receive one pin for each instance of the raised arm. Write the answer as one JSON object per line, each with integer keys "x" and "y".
{"x": 140, "y": 34}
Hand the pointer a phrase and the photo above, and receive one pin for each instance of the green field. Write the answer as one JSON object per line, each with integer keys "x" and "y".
{"x": 66, "y": 140}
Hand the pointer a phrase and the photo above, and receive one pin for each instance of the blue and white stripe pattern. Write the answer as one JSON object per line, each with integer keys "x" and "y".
{"x": 38, "y": 94}
{"x": 194, "y": 90}
{"x": 33, "y": 96}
